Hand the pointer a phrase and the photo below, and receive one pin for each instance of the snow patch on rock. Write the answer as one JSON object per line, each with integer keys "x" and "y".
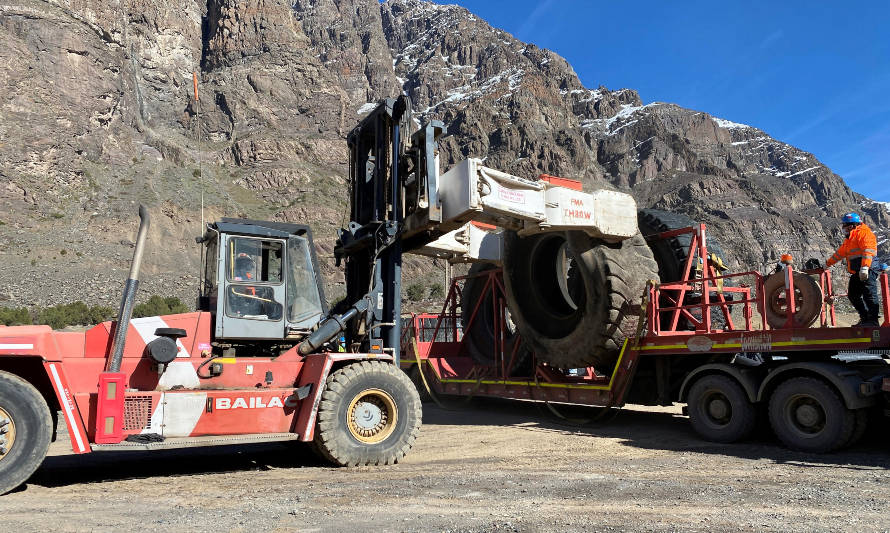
{"x": 728, "y": 124}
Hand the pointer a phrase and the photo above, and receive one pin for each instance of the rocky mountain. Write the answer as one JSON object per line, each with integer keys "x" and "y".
{"x": 97, "y": 114}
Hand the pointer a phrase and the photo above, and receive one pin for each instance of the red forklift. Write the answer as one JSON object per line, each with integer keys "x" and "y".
{"x": 260, "y": 360}
{"x": 748, "y": 345}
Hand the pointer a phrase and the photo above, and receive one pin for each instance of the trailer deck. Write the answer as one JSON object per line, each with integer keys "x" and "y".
{"x": 756, "y": 356}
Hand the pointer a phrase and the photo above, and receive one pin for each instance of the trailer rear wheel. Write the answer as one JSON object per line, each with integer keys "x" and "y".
{"x": 719, "y": 409}
{"x": 861, "y": 416}
{"x": 369, "y": 415}
{"x": 808, "y": 415}
{"x": 25, "y": 430}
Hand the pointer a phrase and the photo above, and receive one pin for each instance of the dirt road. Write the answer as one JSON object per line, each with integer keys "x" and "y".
{"x": 497, "y": 466}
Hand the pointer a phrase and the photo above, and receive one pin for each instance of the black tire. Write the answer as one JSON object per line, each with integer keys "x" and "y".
{"x": 479, "y": 336}
{"x": 807, "y": 296}
{"x": 861, "y": 426}
{"x": 26, "y": 433}
{"x": 807, "y": 414}
{"x": 719, "y": 409}
{"x": 671, "y": 255}
{"x": 417, "y": 380}
{"x": 369, "y": 414}
{"x": 576, "y": 299}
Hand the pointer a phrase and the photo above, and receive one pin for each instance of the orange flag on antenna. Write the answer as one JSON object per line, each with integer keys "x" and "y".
{"x": 195, "y": 82}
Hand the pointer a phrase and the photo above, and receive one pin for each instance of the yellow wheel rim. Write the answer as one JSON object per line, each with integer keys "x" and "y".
{"x": 372, "y": 416}
{"x": 7, "y": 433}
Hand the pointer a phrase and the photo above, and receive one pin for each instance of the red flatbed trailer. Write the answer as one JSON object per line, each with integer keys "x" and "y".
{"x": 817, "y": 391}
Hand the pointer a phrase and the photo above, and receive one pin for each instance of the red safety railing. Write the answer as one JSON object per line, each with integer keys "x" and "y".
{"x": 446, "y": 326}
{"x": 667, "y": 301}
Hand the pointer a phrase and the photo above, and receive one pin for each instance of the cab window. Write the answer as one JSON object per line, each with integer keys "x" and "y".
{"x": 252, "y": 267}
{"x": 254, "y": 260}
{"x": 305, "y": 301}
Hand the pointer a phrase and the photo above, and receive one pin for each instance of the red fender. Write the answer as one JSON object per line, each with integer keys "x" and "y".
{"x": 315, "y": 371}
{"x": 76, "y": 430}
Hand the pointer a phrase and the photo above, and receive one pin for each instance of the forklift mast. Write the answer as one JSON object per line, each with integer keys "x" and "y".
{"x": 371, "y": 244}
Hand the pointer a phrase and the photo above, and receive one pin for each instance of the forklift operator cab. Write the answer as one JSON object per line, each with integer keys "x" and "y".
{"x": 261, "y": 280}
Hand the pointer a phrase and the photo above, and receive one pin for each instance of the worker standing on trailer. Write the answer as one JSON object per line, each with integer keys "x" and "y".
{"x": 858, "y": 250}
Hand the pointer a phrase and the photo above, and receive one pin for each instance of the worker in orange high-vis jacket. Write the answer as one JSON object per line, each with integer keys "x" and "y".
{"x": 858, "y": 250}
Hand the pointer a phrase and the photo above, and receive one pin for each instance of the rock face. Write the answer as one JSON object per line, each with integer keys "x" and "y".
{"x": 97, "y": 114}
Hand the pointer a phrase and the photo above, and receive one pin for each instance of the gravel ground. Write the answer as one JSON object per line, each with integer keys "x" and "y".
{"x": 484, "y": 466}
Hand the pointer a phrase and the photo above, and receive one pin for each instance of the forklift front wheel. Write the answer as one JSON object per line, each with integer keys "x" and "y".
{"x": 369, "y": 414}
{"x": 719, "y": 409}
{"x": 25, "y": 431}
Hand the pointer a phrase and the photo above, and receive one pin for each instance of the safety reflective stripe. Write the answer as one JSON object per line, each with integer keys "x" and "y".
{"x": 773, "y": 344}
{"x": 67, "y": 408}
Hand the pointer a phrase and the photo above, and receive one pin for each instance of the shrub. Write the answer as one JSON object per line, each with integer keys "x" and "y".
{"x": 14, "y": 317}
{"x": 73, "y": 314}
{"x": 416, "y": 292}
{"x": 157, "y": 306}
{"x": 436, "y": 291}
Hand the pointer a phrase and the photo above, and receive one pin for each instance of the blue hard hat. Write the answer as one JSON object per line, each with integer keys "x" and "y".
{"x": 852, "y": 218}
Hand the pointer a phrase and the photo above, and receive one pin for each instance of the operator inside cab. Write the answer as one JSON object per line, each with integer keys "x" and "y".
{"x": 249, "y": 296}
{"x": 858, "y": 251}
{"x": 244, "y": 297}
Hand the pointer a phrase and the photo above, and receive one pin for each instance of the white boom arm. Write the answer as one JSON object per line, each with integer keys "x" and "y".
{"x": 472, "y": 192}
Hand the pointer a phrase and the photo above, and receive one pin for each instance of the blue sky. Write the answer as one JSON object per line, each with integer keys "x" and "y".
{"x": 814, "y": 74}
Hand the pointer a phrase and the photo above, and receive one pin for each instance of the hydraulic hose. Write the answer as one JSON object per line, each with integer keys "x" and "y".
{"x": 331, "y": 327}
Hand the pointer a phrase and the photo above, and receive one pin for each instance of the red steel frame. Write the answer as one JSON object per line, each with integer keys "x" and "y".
{"x": 434, "y": 341}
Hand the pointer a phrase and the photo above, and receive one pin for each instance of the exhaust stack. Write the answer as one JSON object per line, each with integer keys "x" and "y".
{"x": 129, "y": 297}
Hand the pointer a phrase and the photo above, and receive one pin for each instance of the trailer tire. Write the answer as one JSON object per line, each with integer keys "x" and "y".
{"x": 808, "y": 300}
{"x": 417, "y": 380}
{"x": 26, "y": 433}
{"x": 808, "y": 415}
{"x": 369, "y": 414}
{"x": 861, "y": 426}
{"x": 575, "y": 299}
{"x": 719, "y": 409}
{"x": 479, "y": 338}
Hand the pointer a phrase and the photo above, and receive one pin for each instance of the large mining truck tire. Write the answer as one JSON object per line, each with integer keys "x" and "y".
{"x": 575, "y": 299}
{"x": 480, "y": 332}
{"x": 671, "y": 254}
